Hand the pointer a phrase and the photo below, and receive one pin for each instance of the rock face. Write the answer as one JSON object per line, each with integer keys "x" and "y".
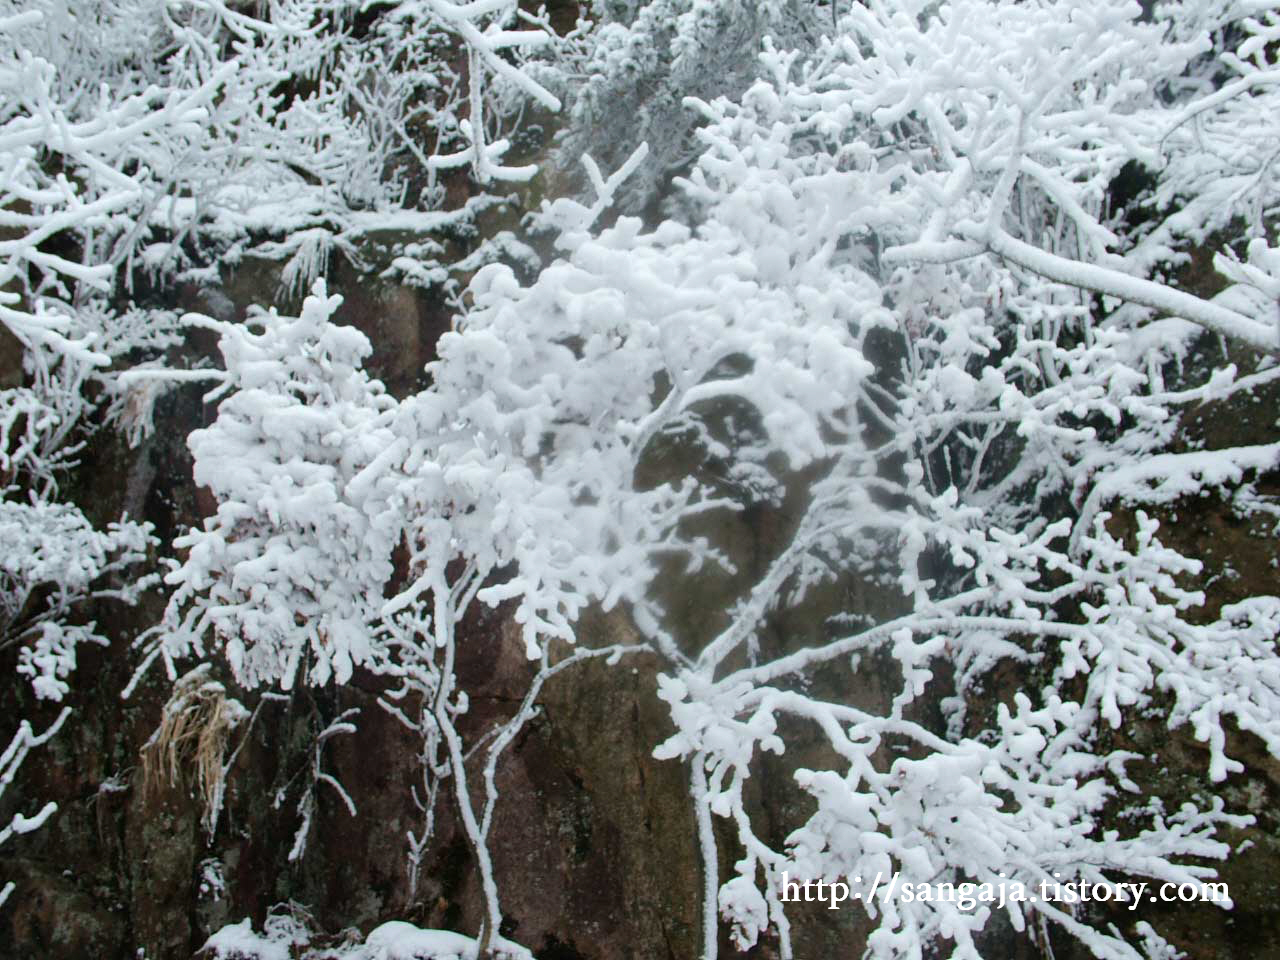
{"x": 592, "y": 843}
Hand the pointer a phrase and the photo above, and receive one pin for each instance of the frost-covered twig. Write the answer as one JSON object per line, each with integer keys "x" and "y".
{"x": 316, "y": 775}
{"x": 11, "y": 760}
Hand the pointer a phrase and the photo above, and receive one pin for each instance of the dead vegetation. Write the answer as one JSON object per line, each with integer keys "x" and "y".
{"x": 189, "y": 748}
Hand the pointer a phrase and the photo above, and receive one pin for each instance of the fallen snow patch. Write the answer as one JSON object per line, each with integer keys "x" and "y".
{"x": 395, "y": 940}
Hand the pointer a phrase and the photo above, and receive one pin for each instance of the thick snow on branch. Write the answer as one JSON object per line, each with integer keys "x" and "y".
{"x": 293, "y": 562}
{"x": 480, "y": 25}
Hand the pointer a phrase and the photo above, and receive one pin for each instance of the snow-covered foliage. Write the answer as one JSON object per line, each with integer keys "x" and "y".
{"x": 904, "y": 289}
{"x": 293, "y": 562}
{"x": 645, "y": 57}
{"x": 913, "y": 294}
{"x": 941, "y": 178}
{"x": 63, "y": 182}
{"x": 145, "y": 144}
{"x": 482, "y": 27}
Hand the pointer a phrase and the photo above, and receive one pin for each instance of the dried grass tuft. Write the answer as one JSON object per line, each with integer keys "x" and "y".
{"x": 194, "y": 733}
